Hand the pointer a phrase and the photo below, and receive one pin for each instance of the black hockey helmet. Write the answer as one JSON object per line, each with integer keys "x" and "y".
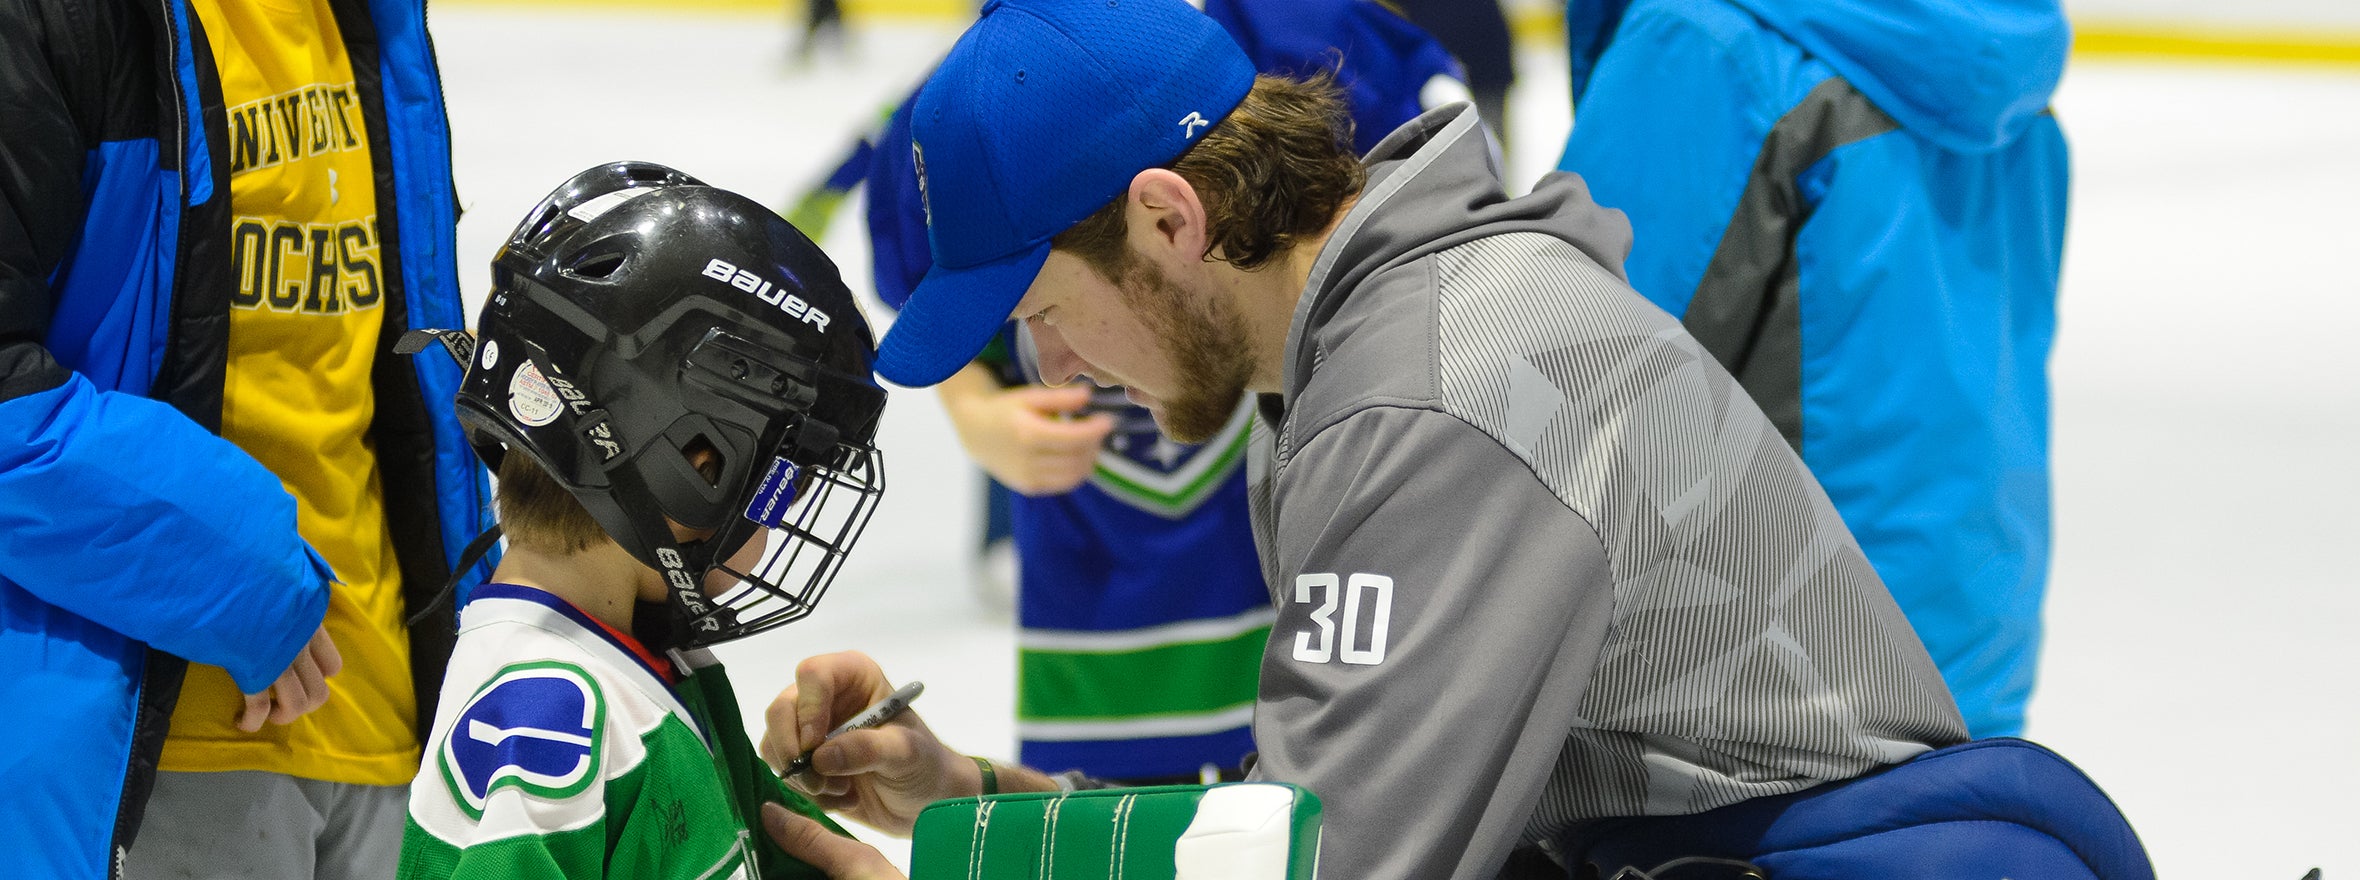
{"x": 637, "y": 316}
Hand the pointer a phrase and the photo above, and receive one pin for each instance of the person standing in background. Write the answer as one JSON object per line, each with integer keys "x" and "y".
{"x": 229, "y": 210}
{"x": 1477, "y": 33}
{"x": 1141, "y": 611}
{"x": 823, "y": 22}
{"x": 1860, "y": 210}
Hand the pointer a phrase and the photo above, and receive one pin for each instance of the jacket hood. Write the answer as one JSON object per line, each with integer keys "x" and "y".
{"x": 1434, "y": 184}
{"x": 1969, "y": 75}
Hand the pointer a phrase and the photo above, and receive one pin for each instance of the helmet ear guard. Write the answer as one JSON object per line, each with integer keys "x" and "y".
{"x": 614, "y": 348}
{"x": 812, "y": 492}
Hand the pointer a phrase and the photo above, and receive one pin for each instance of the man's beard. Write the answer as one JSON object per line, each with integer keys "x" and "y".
{"x": 1206, "y": 341}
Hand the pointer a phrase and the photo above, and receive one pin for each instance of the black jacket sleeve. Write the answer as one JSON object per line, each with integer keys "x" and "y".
{"x": 72, "y": 76}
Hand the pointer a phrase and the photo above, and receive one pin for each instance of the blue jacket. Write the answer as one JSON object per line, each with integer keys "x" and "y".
{"x": 132, "y": 538}
{"x": 1859, "y": 207}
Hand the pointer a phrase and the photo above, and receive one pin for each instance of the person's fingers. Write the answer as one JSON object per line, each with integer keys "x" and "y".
{"x": 1049, "y": 458}
{"x": 323, "y": 652}
{"x": 805, "y": 783}
{"x": 810, "y": 782}
{"x": 900, "y": 750}
{"x": 1080, "y": 436}
{"x": 836, "y": 803}
{"x": 857, "y": 752}
{"x": 841, "y": 858}
{"x": 780, "y": 738}
{"x": 1095, "y": 425}
{"x": 831, "y": 688}
{"x": 819, "y": 786}
{"x": 256, "y": 711}
{"x": 1051, "y": 399}
{"x": 312, "y": 679}
{"x": 301, "y": 689}
{"x": 288, "y": 701}
{"x": 1049, "y": 417}
{"x": 815, "y": 693}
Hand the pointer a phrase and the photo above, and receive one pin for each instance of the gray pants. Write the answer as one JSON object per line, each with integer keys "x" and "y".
{"x": 250, "y": 824}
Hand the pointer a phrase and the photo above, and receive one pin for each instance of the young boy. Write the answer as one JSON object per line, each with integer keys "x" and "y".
{"x": 673, "y": 386}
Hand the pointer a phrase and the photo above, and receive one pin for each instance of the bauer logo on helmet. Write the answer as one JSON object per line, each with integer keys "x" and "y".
{"x": 794, "y": 306}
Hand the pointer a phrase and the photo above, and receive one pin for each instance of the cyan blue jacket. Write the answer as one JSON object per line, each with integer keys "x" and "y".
{"x": 133, "y": 539}
{"x": 1859, "y": 207}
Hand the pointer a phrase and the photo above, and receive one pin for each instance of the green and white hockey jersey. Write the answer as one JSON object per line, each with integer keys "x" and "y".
{"x": 559, "y": 750}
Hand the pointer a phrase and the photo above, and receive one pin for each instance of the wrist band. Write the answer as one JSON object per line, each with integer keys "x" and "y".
{"x": 991, "y": 778}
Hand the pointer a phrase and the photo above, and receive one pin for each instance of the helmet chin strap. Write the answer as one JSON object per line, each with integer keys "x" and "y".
{"x": 695, "y": 617}
{"x": 467, "y": 559}
{"x": 459, "y": 343}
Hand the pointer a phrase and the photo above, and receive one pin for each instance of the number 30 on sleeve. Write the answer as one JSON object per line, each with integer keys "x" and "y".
{"x": 1376, "y": 613}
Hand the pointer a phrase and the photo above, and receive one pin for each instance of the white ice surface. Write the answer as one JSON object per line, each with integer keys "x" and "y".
{"x": 2200, "y": 661}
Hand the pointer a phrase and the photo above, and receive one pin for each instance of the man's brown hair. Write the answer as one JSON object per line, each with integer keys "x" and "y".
{"x": 1271, "y": 173}
{"x": 538, "y": 514}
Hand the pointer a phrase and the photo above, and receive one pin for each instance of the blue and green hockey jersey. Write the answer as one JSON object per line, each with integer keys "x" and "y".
{"x": 563, "y": 749}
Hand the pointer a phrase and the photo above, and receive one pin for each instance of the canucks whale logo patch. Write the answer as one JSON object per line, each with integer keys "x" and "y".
{"x": 534, "y": 728}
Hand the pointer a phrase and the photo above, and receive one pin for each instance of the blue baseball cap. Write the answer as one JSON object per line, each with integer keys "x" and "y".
{"x": 1041, "y": 114}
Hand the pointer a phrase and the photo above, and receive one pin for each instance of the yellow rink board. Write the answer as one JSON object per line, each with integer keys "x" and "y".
{"x": 2101, "y": 39}
{"x": 2093, "y": 38}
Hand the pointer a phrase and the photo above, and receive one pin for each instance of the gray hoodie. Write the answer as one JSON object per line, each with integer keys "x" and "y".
{"x": 1537, "y": 559}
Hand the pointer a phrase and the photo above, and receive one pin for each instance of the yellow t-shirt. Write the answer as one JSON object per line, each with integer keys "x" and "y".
{"x": 304, "y": 325}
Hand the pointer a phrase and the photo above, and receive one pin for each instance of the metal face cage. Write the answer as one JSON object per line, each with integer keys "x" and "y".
{"x": 780, "y": 573}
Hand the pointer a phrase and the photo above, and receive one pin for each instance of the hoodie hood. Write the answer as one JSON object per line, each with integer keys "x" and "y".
{"x": 1969, "y": 75}
{"x": 1443, "y": 164}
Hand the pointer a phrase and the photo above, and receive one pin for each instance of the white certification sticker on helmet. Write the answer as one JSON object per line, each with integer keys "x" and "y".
{"x": 530, "y": 398}
{"x": 490, "y": 353}
{"x": 589, "y": 210}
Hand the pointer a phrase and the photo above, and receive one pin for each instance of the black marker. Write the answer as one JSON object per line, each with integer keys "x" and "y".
{"x": 876, "y": 714}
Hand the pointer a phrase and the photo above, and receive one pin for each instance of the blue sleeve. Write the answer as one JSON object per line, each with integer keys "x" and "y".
{"x": 849, "y": 172}
{"x": 1381, "y": 61}
{"x": 814, "y": 211}
{"x": 1679, "y": 176}
{"x": 121, "y": 510}
{"x": 1589, "y": 26}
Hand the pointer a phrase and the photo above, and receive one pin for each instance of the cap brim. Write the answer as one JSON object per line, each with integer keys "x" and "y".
{"x": 952, "y": 314}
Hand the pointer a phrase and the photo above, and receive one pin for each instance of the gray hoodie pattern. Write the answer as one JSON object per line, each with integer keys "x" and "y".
{"x": 1537, "y": 558}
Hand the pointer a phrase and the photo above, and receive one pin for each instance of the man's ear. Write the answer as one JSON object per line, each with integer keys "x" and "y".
{"x": 1166, "y": 217}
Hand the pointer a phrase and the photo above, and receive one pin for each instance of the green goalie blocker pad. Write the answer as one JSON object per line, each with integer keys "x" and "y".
{"x": 1235, "y": 831}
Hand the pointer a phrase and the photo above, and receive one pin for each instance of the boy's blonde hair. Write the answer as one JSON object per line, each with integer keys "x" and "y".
{"x": 538, "y": 514}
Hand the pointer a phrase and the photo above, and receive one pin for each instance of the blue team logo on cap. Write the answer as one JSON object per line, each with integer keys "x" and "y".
{"x": 534, "y": 728}
{"x": 918, "y": 158}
